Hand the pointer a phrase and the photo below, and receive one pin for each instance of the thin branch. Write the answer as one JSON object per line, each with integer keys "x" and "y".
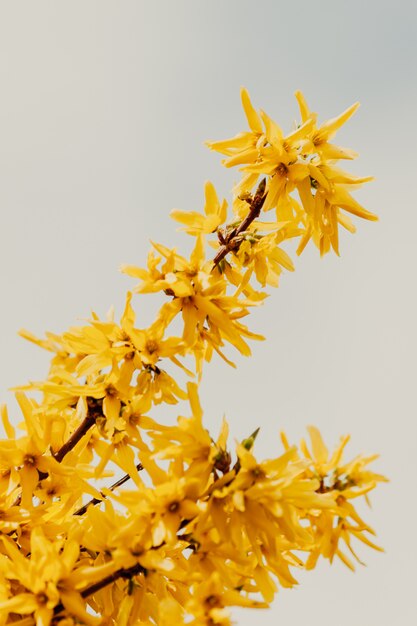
{"x": 115, "y": 485}
{"x": 95, "y": 410}
{"x": 229, "y": 242}
{"x": 95, "y": 407}
{"x": 120, "y": 573}
{"x": 126, "y": 573}
{"x": 76, "y": 436}
{"x": 232, "y": 240}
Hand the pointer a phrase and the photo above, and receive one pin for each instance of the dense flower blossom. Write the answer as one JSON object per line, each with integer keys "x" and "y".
{"x": 302, "y": 161}
{"x": 192, "y": 524}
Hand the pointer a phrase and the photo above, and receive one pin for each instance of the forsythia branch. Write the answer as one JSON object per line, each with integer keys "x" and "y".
{"x": 230, "y": 241}
{"x": 112, "y": 487}
{"x": 204, "y": 525}
{"x": 76, "y": 436}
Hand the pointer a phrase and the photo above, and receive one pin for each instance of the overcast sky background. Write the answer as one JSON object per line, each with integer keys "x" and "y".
{"x": 104, "y": 108}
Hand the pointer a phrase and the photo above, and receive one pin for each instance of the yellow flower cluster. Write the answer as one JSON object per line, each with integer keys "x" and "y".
{"x": 202, "y": 525}
{"x": 302, "y": 161}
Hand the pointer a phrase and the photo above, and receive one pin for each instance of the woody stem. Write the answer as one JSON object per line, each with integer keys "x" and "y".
{"x": 76, "y": 436}
{"x": 112, "y": 487}
{"x": 231, "y": 241}
{"x": 88, "y": 422}
{"x": 126, "y": 573}
{"x": 95, "y": 410}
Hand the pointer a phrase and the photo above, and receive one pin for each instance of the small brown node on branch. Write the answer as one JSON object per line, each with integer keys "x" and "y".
{"x": 246, "y": 197}
{"x": 222, "y": 461}
{"x": 234, "y": 238}
{"x": 95, "y": 405}
{"x": 220, "y": 236}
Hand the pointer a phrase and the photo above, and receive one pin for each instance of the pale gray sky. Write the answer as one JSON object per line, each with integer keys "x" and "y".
{"x": 103, "y": 112}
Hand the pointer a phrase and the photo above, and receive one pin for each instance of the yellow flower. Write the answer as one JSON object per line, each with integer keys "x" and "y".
{"x": 201, "y": 528}
{"x": 199, "y": 294}
{"x": 157, "y": 386}
{"x": 27, "y": 458}
{"x": 47, "y": 579}
{"x": 266, "y": 151}
{"x": 257, "y": 509}
{"x": 326, "y": 192}
{"x": 302, "y": 161}
{"x": 323, "y": 214}
{"x": 189, "y": 442}
{"x": 195, "y": 223}
{"x": 172, "y": 502}
{"x": 54, "y": 344}
{"x": 261, "y": 255}
{"x": 244, "y": 145}
{"x": 210, "y": 599}
{"x": 320, "y": 136}
{"x": 344, "y": 481}
{"x": 11, "y": 514}
{"x": 104, "y": 343}
{"x": 152, "y": 347}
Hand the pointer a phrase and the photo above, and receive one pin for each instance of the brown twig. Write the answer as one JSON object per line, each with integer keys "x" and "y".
{"x": 95, "y": 410}
{"x": 95, "y": 501}
{"x": 231, "y": 240}
{"x": 76, "y": 436}
{"x": 126, "y": 573}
